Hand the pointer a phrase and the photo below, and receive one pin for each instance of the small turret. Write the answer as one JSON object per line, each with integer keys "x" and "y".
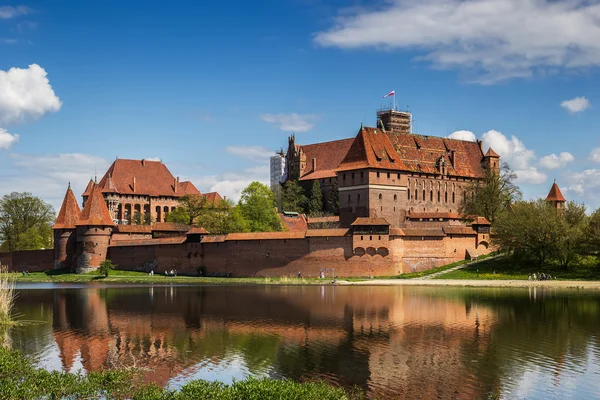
{"x": 65, "y": 236}
{"x": 491, "y": 160}
{"x": 555, "y": 197}
{"x": 94, "y": 229}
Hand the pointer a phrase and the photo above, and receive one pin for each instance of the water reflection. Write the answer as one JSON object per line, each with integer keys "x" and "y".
{"x": 394, "y": 342}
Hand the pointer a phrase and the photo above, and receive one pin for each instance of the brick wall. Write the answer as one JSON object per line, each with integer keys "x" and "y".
{"x": 30, "y": 260}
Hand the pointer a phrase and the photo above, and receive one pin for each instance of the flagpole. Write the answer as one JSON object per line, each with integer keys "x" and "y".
{"x": 394, "y": 99}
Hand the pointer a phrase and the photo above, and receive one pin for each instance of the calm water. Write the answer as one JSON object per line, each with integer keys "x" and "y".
{"x": 394, "y": 342}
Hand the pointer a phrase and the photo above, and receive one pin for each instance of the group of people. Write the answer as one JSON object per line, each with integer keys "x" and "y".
{"x": 25, "y": 273}
{"x": 540, "y": 276}
{"x": 172, "y": 272}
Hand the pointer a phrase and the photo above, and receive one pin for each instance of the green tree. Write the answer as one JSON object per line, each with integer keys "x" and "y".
{"x": 222, "y": 221}
{"x": 334, "y": 199}
{"x": 315, "y": 205}
{"x": 105, "y": 267}
{"x": 491, "y": 195}
{"x": 25, "y": 222}
{"x": 591, "y": 241}
{"x": 179, "y": 215}
{"x": 572, "y": 223}
{"x": 257, "y": 206}
{"x": 293, "y": 197}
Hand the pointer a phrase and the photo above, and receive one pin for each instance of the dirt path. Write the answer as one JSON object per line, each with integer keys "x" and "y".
{"x": 593, "y": 285}
{"x": 455, "y": 268}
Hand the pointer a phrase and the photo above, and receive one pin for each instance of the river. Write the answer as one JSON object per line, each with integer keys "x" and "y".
{"x": 392, "y": 342}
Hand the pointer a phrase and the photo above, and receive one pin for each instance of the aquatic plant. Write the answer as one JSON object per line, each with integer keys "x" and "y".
{"x": 7, "y": 296}
{"x": 19, "y": 379}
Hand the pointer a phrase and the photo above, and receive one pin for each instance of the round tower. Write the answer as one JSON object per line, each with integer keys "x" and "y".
{"x": 65, "y": 236}
{"x": 94, "y": 230}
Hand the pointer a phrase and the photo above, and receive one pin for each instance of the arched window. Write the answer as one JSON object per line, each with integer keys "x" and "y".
{"x": 358, "y": 198}
{"x": 446, "y": 197}
{"x": 431, "y": 196}
{"x": 453, "y": 197}
{"x": 380, "y": 196}
{"x": 395, "y": 197}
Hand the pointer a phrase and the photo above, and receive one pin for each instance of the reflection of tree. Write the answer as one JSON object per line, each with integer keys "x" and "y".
{"x": 34, "y": 334}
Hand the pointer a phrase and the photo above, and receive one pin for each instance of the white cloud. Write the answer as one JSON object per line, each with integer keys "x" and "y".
{"x": 256, "y": 153}
{"x": 47, "y": 176}
{"x": 231, "y": 184}
{"x": 576, "y": 105}
{"x": 26, "y": 94}
{"x": 595, "y": 155}
{"x": 291, "y": 122}
{"x": 554, "y": 161}
{"x": 497, "y": 39}
{"x": 586, "y": 184}
{"x": 463, "y": 135}
{"x": 7, "y": 140}
{"x": 8, "y": 12}
{"x": 153, "y": 159}
{"x": 514, "y": 152}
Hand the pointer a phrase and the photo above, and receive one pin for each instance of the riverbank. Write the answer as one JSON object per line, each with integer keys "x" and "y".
{"x": 591, "y": 285}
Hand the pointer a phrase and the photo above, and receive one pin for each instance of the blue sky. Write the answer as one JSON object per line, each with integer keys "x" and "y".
{"x": 213, "y": 88}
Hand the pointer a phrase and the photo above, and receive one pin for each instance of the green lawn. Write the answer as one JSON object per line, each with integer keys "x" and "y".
{"x": 502, "y": 268}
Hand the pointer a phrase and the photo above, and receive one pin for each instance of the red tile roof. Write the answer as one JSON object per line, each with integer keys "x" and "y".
{"x": 371, "y": 148}
{"x": 212, "y": 197}
{"x": 361, "y": 221}
{"x": 433, "y": 215}
{"x": 133, "y": 229}
{"x": 169, "y": 227}
{"x": 332, "y": 218}
{"x": 69, "y": 213}
{"x": 492, "y": 153}
{"x": 95, "y": 212}
{"x": 424, "y": 153}
{"x": 396, "y": 232}
{"x": 265, "y": 236}
{"x": 555, "y": 194}
{"x": 458, "y": 230}
{"x": 197, "y": 230}
{"x": 480, "y": 221}
{"x": 295, "y": 223}
{"x": 213, "y": 239}
{"x": 327, "y": 232}
{"x": 149, "y": 242}
{"x": 328, "y": 157}
{"x": 152, "y": 178}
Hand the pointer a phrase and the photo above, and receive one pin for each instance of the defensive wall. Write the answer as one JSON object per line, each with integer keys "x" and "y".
{"x": 28, "y": 260}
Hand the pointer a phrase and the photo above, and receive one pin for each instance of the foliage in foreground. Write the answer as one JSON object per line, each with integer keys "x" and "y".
{"x": 20, "y": 380}
{"x": 25, "y": 222}
{"x": 7, "y": 296}
{"x": 105, "y": 267}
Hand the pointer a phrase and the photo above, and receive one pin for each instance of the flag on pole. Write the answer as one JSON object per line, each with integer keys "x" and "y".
{"x": 392, "y": 93}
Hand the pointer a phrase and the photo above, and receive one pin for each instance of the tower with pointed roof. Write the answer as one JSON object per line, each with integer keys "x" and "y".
{"x": 491, "y": 160}
{"x": 555, "y": 197}
{"x": 65, "y": 236}
{"x": 94, "y": 229}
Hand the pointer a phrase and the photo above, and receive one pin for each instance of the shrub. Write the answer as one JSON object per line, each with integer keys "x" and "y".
{"x": 105, "y": 267}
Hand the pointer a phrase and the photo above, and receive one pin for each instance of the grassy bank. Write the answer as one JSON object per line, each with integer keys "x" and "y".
{"x": 19, "y": 379}
{"x": 502, "y": 268}
{"x": 7, "y": 297}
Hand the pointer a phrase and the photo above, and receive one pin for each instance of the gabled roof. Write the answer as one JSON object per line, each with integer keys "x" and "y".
{"x": 555, "y": 194}
{"x": 95, "y": 212}
{"x": 212, "y": 197}
{"x": 152, "y": 178}
{"x": 295, "y": 223}
{"x": 69, "y": 213}
{"x": 492, "y": 153}
{"x": 371, "y": 148}
{"x": 423, "y": 154}
{"x": 362, "y": 221}
{"x": 328, "y": 156}
{"x": 480, "y": 221}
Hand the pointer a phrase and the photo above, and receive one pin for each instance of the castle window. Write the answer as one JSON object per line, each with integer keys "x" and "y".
{"x": 358, "y": 198}
{"x": 344, "y": 177}
{"x": 388, "y": 175}
{"x": 361, "y": 174}
{"x": 378, "y": 174}
{"x": 353, "y": 175}
{"x": 395, "y": 197}
{"x": 398, "y": 175}
{"x": 452, "y": 197}
{"x": 423, "y": 194}
{"x": 380, "y": 196}
{"x": 431, "y": 196}
{"x": 349, "y": 199}
{"x": 446, "y": 197}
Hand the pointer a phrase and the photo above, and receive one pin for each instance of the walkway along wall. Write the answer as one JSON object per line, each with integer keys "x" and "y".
{"x": 287, "y": 253}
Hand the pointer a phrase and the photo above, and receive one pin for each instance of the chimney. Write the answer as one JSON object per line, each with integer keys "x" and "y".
{"x": 454, "y": 154}
{"x": 224, "y": 198}
{"x": 176, "y": 184}
{"x": 143, "y": 162}
{"x": 133, "y": 187}
{"x": 314, "y": 164}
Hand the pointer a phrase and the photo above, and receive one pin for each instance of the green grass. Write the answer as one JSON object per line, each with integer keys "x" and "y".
{"x": 20, "y": 379}
{"x": 502, "y": 268}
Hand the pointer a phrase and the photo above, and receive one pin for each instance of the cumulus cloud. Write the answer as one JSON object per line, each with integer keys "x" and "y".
{"x": 47, "y": 176}
{"x": 256, "y": 153}
{"x": 595, "y": 155}
{"x": 497, "y": 39}
{"x": 576, "y": 105}
{"x": 514, "y": 152}
{"x": 291, "y": 122}
{"x": 26, "y": 94}
{"x": 554, "y": 161}
{"x": 586, "y": 184}
{"x": 8, "y": 12}
{"x": 6, "y": 139}
{"x": 231, "y": 184}
{"x": 463, "y": 135}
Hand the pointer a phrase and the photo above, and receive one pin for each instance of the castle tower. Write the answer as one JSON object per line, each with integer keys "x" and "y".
{"x": 491, "y": 160}
{"x": 65, "y": 236}
{"x": 394, "y": 121}
{"x": 555, "y": 197}
{"x": 93, "y": 232}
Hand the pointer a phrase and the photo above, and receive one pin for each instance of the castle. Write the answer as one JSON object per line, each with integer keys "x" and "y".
{"x": 399, "y": 201}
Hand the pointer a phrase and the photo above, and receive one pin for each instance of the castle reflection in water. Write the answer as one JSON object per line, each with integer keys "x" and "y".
{"x": 402, "y": 342}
